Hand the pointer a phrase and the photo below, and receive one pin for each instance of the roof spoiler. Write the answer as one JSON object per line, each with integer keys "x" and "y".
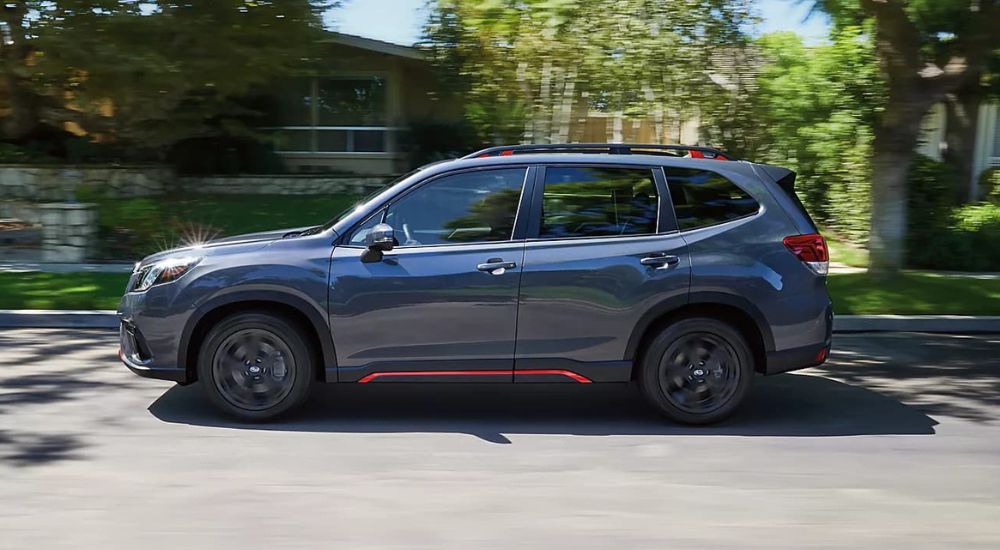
{"x": 784, "y": 177}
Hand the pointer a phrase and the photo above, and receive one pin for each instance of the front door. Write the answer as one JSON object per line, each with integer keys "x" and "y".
{"x": 442, "y": 305}
{"x": 603, "y": 251}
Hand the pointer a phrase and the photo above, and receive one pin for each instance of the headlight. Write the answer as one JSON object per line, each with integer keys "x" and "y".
{"x": 163, "y": 271}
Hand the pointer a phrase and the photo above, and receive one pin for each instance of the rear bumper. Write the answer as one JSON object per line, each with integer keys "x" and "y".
{"x": 798, "y": 358}
{"x": 802, "y": 357}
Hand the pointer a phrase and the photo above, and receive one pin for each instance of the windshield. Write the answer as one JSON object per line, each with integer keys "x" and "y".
{"x": 343, "y": 214}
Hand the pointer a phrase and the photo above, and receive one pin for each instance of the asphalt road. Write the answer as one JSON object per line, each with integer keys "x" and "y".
{"x": 895, "y": 443}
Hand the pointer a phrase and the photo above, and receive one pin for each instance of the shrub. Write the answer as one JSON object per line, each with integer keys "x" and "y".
{"x": 968, "y": 239}
{"x": 989, "y": 185}
{"x": 126, "y": 227}
{"x": 224, "y": 155}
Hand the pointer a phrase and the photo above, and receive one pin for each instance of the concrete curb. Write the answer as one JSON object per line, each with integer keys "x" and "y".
{"x": 47, "y": 318}
{"x": 954, "y": 324}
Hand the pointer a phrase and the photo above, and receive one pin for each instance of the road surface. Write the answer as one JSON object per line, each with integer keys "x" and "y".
{"x": 895, "y": 444}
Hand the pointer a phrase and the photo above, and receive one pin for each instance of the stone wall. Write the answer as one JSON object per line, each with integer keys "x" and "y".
{"x": 68, "y": 231}
{"x": 282, "y": 184}
{"x": 56, "y": 183}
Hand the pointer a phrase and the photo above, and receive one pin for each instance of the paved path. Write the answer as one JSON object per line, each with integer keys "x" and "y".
{"x": 895, "y": 444}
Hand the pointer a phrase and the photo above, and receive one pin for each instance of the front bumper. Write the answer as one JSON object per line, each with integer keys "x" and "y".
{"x": 143, "y": 359}
{"x": 145, "y": 371}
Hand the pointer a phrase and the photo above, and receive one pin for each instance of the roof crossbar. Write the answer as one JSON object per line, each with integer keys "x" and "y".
{"x": 691, "y": 151}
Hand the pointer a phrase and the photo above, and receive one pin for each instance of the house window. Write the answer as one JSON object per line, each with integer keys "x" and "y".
{"x": 331, "y": 115}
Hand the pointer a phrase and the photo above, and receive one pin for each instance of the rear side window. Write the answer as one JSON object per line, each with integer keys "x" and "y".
{"x": 702, "y": 198}
{"x": 582, "y": 201}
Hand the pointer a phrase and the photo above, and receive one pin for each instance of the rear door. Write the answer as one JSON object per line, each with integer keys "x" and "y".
{"x": 602, "y": 251}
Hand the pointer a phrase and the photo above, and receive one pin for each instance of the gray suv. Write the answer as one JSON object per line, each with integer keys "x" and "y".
{"x": 673, "y": 267}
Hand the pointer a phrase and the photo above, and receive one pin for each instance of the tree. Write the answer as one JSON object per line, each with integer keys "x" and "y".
{"x": 811, "y": 109}
{"x": 146, "y": 73}
{"x": 527, "y": 69}
{"x": 927, "y": 49}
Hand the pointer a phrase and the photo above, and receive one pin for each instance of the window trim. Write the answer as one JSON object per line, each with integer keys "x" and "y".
{"x": 663, "y": 220}
{"x": 520, "y": 222}
{"x": 387, "y": 130}
{"x": 666, "y": 181}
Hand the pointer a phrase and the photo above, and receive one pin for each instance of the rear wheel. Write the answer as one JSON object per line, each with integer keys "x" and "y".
{"x": 255, "y": 366}
{"x": 696, "y": 371}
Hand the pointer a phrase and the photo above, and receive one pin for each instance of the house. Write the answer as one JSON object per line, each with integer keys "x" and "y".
{"x": 986, "y": 151}
{"x": 355, "y": 113}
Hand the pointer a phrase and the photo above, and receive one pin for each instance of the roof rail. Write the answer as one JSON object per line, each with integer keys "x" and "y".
{"x": 690, "y": 151}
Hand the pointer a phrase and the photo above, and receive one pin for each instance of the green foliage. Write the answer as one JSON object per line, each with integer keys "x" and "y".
{"x": 989, "y": 185}
{"x": 61, "y": 290}
{"x": 126, "y": 228}
{"x": 14, "y": 154}
{"x": 943, "y": 235}
{"x": 812, "y": 111}
{"x": 527, "y": 69}
{"x": 913, "y": 293}
{"x": 224, "y": 155}
{"x": 148, "y": 74}
{"x": 968, "y": 239}
{"x": 129, "y": 228}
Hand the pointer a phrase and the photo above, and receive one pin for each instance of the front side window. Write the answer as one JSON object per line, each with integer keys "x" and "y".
{"x": 598, "y": 201}
{"x": 702, "y": 198}
{"x": 470, "y": 207}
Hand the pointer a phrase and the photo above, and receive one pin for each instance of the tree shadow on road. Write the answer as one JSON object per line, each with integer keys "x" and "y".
{"x": 784, "y": 405}
{"x": 34, "y": 374}
{"x": 941, "y": 374}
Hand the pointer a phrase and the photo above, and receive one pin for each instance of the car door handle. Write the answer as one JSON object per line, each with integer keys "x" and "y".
{"x": 660, "y": 260}
{"x": 496, "y": 266}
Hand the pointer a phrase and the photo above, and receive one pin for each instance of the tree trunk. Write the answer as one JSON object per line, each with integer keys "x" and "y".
{"x": 892, "y": 151}
{"x": 961, "y": 115}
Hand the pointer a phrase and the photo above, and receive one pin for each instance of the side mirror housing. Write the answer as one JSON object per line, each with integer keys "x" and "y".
{"x": 380, "y": 238}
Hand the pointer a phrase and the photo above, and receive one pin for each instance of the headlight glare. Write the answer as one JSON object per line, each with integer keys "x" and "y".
{"x": 163, "y": 271}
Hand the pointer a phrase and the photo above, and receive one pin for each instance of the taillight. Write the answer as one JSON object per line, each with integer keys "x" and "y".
{"x": 811, "y": 250}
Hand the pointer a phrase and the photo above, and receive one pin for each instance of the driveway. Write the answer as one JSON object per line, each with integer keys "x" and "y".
{"x": 894, "y": 443}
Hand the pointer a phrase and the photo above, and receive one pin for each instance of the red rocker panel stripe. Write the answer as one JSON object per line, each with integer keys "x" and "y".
{"x": 569, "y": 374}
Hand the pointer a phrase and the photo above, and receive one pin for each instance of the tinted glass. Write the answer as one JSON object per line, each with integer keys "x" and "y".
{"x": 702, "y": 198}
{"x": 592, "y": 202}
{"x": 463, "y": 208}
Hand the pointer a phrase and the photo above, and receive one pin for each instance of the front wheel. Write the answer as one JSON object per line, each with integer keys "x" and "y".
{"x": 255, "y": 366}
{"x": 696, "y": 371}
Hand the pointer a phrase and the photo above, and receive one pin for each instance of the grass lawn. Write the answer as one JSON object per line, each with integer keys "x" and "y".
{"x": 853, "y": 293}
{"x": 844, "y": 252}
{"x": 238, "y": 214}
{"x": 61, "y": 290}
{"x": 914, "y": 293}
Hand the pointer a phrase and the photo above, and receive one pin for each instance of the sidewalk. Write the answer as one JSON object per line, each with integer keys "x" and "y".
{"x": 26, "y": 267}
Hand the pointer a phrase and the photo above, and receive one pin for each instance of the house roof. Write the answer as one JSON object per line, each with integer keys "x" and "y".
{"x": 373, "y": 45}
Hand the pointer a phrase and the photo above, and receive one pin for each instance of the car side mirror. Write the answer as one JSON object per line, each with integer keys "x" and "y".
{"x": 378, "y": 240}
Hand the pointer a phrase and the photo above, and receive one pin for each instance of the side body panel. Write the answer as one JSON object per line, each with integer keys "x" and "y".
{"x": 424, "y": 309}
{"x": 746, "y": 258}
{"x": 582, "y": 298}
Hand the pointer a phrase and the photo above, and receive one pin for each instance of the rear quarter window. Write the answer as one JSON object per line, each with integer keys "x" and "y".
{"x": 702, "y": 198}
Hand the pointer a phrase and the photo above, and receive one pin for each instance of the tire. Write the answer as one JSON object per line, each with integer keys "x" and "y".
{"x": 255, "y": 367}
{"x": 701, "y": 391}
